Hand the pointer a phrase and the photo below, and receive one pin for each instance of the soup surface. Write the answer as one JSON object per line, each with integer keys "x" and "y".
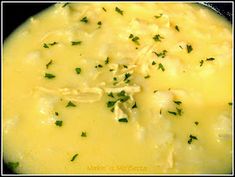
{"x": 119, "y": 88}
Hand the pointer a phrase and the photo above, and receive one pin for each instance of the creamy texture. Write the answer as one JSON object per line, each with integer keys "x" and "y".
{"x": 161, "y": 97}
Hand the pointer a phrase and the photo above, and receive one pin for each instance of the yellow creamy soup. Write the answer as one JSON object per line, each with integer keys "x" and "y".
{"x": 119, "y": 88}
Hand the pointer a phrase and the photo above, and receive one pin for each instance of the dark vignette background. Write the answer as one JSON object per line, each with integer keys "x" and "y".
{"x": 14, "y": 14}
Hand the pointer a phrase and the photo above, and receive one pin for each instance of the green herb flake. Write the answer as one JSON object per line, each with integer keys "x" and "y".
{"x": 179, "y": 111}
{"x": 99, "y": 23}
{"x": 135, "y": 40}
{"x": 49, "y": 76}
{"x": 155, "y": 91}
{"x": 76, "y": 42}
{"x": 161, "y": 54}
{"x": 74, "y": 157}
{"x": 210, "y": 59}
{"x": 191, "y": 138}
{"x": 154, "y": 63}
{"x": 104, "y": 9}
{"x": 134, "y": 106}
{"x": 111, "y": 95}
{"x": 12, "y": 165}
{"x": 70, "y": 104}
{"x": 83, "y": 134}
{"x": 48, "y": 64}
{"x": 110, "y": 103}
{"x": 172, "y": 112}
{"x": 230, "y": 103}
{"x": 53, "y": 43}
{"x": 122, "y": 93}
{"x": 196, "y": 122}
{"x": 131, "y": 36}
{"x": 125, "y": 66}
{"x": 78, "y": 70}
{"x": 180, "y": 47}
{"x": 119, "y": 10}
{"x": 177, "y": 102}
{"x": 84, "y": 20}
{"x": 177, "y": 28}
{"x": 146, "y": 77}
{"x": 65, "y": 4}
{"x": 99, "y": 66}
{"x": 160, "y": 66}
{"x": 157, "y": 38}
{"x": 127, "y": 75}
{"x": 114, "y": 78}
{"x": 106, "y": 61}
{"x": 124, "y": 98}
{"x": 158, "y": 16}
{"x": 125, "y": 120}
{"x": 189, "y": 48}
{"x": 59, "y": 123}
{"x": 56, "y": 113}
{"x": 201, "y": 63}
{"x": 45, "y": 45}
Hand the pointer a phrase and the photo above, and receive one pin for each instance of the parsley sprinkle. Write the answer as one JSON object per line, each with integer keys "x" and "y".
{"x": 191, "y": 138}
{"x": 74, "y": 157}
{"x": 158, "y": 38}
{"x": 48, "y": 64}
{"x": 78, "y": 70}
{"x": 177, "y": 28}
{"x": 119, "y": 10}
{"x": 84, "y": 19}
{"x": 230, "y": 104}
{"x": 125, "y": 98}
{"x": 106, "y": 61}
{"x": 65, "y": 4}
{"x": 76, "y": 42}
{"x": 125, "y": 66}
{"x": 179, "y": 111}
{"x": 114, "y": 78}
{"x": 70, "y": 104}
{"x": 104, "y": 9}
{"x": 131, "y": 36}
{"x": 146, "y": 77}
{"x": 135, "y": 40}
{"x": 154, "y": 63}
{"x": 53, "y": 43}
{"x": 12, "y": 165}
{"x": 123, "y": 120}
{"x": 49, "y": 76}
{"x": 122, "y": 93}
{"x": 155, "y": 91}
{"x": 111, "y": 94}
{"x": 196, "y": 123}
{"x": 99, "y": 23}
{"x": 189, "y": 48}
{"x": 210, "y": 59}
{"x": 177, "y": 102}
{"x": 110, "y": 103}
{"x": 172, "y": 112}
{"x": 45, "y": 45}
{"x": 134, "y": 106}
{"x": 158, "y": 16}
{"x": 201, "y": 62}
{"x": 59, "y": 123}
{"x": 127, "y": 75}
{"x": 56, "y": 113}
{"x": 83, "y": 134}
{"x": 161, "y": 54}
{"x": 98, "y": 66}
{"x": 160, "y": 66}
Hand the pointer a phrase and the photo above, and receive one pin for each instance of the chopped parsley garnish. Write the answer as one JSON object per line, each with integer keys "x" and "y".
{"x": 179, "y": 111}
{"x": 191, "y": 138}
{"x": 56, "y": 113}
{"x": 65, "y": 4}
{"x": 180, "y": 47}
{"x": 177, "y": 28}
{"x": 161, "y": 54}
{"x": 172, "y": 112}
{"x": 146, "y": 77}
{"x": 158, "y": 16}
{"x": 160, "y": 66}
{"x": 53, "y": 43}
{"x": 78, "y": 70}
{"x": 111, "y": 70}
{"x": 157, "y": 38}
{"x": 59, "y": 123}
{"x": 112, "y": 109}
{"x": 114, "y": 78}
{"x": 70, "y": 104}
{"x": 127, "y": 75}
{"x": 131, "y": 36}
{"x": 122, "y": 93}
{"x": 98, "y": 66}
{"x": 49, "y": 76}
{"x": 230, "y": 104}
{"x": 177, "y": 102}
{"x": 74, "y": 157}
{"x": 104, "y": 9}
{"x": 106, "y": 61}
{"x": 123, "y": 120}
{"x": 99, "y": 23}
{"x": 201, "y": 62}
{"x": 134, "y": 106}
{"x": 196, "y": 123}
{"x": 155, "y": 91}
{"x": 189, "y": 48}
{"x": 111, "y": 95}
{"x": 154, "y": 63}
{"x": 48, "y": 64}
{"x": 110, "y": 103}
{"x": 160, "y": 112}
{"x": 84, "y": 20}
{"x": 119, "y": 10}
{"x": 83, "y": 134}
{"x": 45, "y": 45}
{"x": 76, "y": 42}
{"x": 124, "y": 98}
{"x": 12, "y": 165}
{"x": 125, "y": 66}
{"x": 210, "y": 59}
